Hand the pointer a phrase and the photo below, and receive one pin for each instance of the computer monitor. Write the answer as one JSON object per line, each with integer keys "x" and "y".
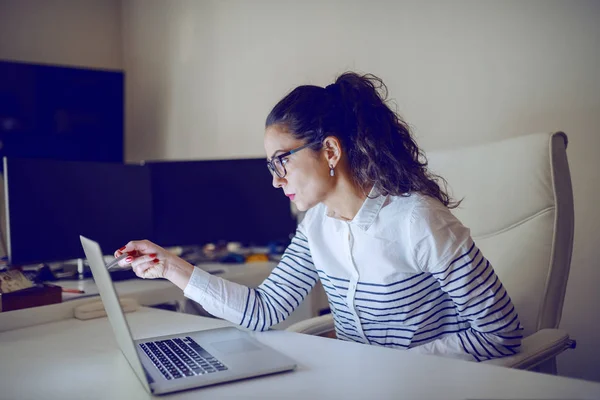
{"x": 49, "y": 203}
{"x": 209, "y": 201}
{"x": 62, "y": 113}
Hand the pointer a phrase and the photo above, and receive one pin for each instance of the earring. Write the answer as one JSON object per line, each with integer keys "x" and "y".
{"x": 331, "y": 171}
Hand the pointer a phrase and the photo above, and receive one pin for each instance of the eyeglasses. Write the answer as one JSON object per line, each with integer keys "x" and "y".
{"x": 277, "y": 164}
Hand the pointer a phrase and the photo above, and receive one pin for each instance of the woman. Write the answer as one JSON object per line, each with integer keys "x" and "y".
{"x": 398, "y": 268}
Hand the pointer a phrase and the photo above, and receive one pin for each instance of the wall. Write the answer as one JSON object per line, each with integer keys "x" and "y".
{"x": 202, "y": 76}
{"x": 66, "y": 32}
{"x": 84, "y": 33}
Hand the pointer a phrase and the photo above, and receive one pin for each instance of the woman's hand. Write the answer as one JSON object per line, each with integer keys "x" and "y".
{"x": 150, "y": 261}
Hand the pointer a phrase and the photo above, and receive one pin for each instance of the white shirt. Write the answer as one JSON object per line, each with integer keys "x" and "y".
{"x": 404, "y": 273}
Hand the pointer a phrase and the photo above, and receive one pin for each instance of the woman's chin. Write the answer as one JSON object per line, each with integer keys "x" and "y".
{"x": 302, "y": 206}
{"x": 298, "y": 205}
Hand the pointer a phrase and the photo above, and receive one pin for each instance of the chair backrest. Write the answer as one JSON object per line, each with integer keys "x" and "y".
{"x": 518, "y": 203}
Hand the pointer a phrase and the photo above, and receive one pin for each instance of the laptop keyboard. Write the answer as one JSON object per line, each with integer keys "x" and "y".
{"x": 180, "y": 358}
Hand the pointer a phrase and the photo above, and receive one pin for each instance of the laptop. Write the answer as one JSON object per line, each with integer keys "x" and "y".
{"x": 171, "y": 363}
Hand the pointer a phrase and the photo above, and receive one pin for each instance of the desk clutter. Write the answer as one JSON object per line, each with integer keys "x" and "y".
{"x": 51, "y": 283}
{"x": 18, "y": 292}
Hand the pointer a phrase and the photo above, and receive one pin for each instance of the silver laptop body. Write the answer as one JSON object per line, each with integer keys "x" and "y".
{"x": 183, "y": 361}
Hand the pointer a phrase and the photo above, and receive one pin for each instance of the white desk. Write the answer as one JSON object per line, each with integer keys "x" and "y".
{"x": 152, "y": 292}
{"x": 147, "y": 292}
{"x": 74, "y": 359}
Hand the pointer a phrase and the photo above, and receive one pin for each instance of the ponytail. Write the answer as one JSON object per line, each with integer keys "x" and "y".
{"x": 380, "y": 148}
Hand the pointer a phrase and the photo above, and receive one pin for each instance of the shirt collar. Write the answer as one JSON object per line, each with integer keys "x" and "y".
{"x": 367, "y": 212}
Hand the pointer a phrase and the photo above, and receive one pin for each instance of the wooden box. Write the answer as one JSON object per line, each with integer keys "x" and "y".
{"x": 39, "y": 295}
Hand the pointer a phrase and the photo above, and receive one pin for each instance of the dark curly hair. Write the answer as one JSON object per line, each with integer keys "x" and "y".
{"x": 380, "y": 148}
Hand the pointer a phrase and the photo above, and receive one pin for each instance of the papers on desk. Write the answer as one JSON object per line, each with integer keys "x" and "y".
{"x": 13, "y": 280}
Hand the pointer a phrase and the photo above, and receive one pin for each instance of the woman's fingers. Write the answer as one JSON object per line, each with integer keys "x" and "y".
{"x": 143, "y": 256}
{"x": 134, "y": 250}
{"x": 141, "y": 246}
{"x": 137, "y": 261}
{"x": 146, "y": 266}
{"x": 155, "y": 271}
{"x": 129, "y": 259}
{"x": 149, "y": 270}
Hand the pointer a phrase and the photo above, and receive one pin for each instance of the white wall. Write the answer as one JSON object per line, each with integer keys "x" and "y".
{"x": 202, "y": 76}
{"x": 66, "y": 32}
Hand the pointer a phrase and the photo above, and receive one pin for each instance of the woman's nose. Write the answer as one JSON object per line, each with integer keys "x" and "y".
{"x": 277, "y": 181}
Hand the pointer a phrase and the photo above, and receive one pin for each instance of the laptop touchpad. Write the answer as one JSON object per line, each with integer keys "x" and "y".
{"x": 234, "y": 346}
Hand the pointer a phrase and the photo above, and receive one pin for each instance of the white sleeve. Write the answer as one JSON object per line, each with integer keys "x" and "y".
{"x": 444, "y": 247}
{"x": 270, "y": 303}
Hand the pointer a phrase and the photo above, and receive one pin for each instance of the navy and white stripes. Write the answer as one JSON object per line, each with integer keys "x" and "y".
{"x": 421, "y": 308}
{"x": 428, "y": 287}
{"x": 287, "y": 286}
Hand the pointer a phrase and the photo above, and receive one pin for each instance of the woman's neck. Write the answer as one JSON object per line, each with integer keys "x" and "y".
{"x": 346, "y": 200}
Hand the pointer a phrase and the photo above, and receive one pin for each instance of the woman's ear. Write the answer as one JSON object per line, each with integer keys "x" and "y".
{"x": 332, "y": 150}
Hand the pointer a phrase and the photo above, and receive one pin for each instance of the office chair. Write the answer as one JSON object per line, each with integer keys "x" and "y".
{"x": 518, "y": 203}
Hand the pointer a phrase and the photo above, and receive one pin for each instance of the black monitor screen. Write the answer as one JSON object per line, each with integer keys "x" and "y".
{"x": 51, "y": 203}
{"x": 61, "y": 113}
{"x": 199, "y": 202}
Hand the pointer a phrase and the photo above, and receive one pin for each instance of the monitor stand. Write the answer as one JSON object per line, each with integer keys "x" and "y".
{"x": 80, "y": 269}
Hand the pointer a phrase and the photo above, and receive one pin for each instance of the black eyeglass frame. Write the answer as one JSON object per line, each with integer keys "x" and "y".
{"x": 280, "y": 157}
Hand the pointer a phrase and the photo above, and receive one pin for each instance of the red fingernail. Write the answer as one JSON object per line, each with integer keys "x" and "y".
{"x": 122, "y": 248}
{"x": 152, "y": 255}
{"x": 155, "y": 261}
{"x": 129, "y": 259}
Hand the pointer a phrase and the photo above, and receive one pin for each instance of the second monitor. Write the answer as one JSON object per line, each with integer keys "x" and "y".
{"x": 49, "y": 203}
{"x": 208, "y": 201}
{"x": 188, "y": 203}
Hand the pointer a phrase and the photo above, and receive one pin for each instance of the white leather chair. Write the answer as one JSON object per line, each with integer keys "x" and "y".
{"x": 518, "y": 203}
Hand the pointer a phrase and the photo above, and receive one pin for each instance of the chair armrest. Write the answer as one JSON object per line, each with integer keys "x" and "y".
{"x": 541, "y": 346}
{"x": 314, "y": 326}
{"x": 537, "y": 348}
